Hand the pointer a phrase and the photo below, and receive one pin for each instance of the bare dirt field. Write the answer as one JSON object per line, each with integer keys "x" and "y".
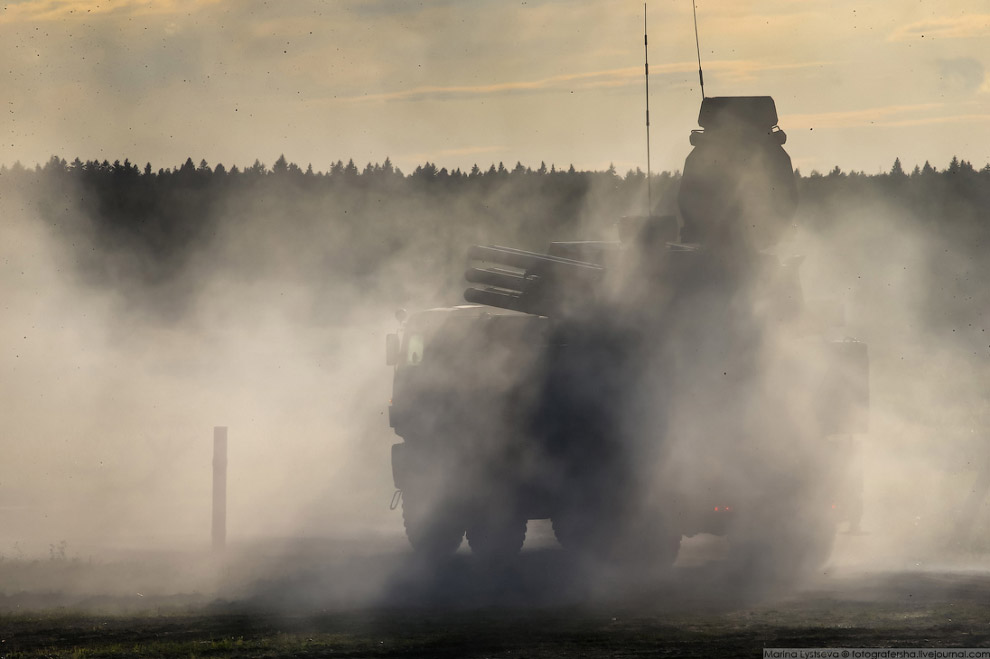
{"x": 334, "y": 598}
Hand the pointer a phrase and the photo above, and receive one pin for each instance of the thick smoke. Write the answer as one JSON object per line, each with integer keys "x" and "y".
{"x": 672, "y": 392}
{"x": 131, "y": 334}
{"x": 119, "y": 364}
{"x": 116, "y": 379}
{"x": 906, "y": 267}
{"x": 742, "y": 384}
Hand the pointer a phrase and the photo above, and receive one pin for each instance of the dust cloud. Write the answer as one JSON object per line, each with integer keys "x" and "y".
{"x": 121, "y": 358}
{"x": 909, "y": 287}
{"x": 112, "y": 389}
{"x": 113, "y": 381}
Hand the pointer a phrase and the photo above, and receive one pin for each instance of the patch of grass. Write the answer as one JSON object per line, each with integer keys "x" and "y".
{"x": 893, "y": 610}
{"x": 511, "y": 633}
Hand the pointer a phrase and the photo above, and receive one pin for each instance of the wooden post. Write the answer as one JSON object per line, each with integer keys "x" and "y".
{"x": 219, "y": 487}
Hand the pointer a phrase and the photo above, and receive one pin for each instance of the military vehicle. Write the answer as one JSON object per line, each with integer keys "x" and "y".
{"x": 669, "y": 383}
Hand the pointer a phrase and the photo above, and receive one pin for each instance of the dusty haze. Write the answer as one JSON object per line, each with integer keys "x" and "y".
{"x": 113, "y": 382}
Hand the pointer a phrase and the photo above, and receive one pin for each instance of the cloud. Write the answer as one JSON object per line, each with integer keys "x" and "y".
{"x": 471, "y": 150}
{"x": 734, "y": 69}
{"x": 888, "y": 116}
{"x": 957, "y": 27}
{"x": 942, "y": 119}
{"x": 748, "y": 70}
{"x": 610, "y": 78}
{"x": 961, "y": 74}
{"x": 376, "y": 8}
{"x": 50, "y": 10}
{"x": 468, "y": 151}
{"x": 863, "y": 117}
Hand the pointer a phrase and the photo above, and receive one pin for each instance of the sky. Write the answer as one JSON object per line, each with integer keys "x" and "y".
{"x": 486, "y": 81}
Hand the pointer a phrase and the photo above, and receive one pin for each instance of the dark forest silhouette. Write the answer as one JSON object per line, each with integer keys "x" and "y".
{"x": 354, "y": 223}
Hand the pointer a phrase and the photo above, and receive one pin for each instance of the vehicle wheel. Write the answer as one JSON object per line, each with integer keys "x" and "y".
{"x": 496, "y": 538}
{"x": 433, "y": 532}
{"x": 578, "y": 534}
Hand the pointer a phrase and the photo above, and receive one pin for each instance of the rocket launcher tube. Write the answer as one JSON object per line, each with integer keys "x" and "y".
{"x": 496, "y": 277}
{"x": 523, "y": 260}
{"x": 542, "y": 286}
{"x": 496, "y": 298}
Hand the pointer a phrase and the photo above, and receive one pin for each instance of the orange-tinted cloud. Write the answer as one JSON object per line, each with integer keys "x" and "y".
{"x": 890, "y": 116}
{"x": 737, "y": 69}
{"x": 49, "y": 10}
{"x": 590, "y": 80}
{"x": 953, "y": 27}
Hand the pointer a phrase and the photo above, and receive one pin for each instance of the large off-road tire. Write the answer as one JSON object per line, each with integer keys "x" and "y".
{"x": 580, "y": 535}
{"x": 586, "y": 525}
{"x": 434, "y": 531}
{"x": 496, "y": 538}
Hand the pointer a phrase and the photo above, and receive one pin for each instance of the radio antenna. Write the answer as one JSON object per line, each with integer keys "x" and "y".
{"x": 697, "y": 45}
{"x": 646, "y": 52}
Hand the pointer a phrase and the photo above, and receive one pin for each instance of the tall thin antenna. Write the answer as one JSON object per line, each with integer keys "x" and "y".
{"x": 646, "y": 51}
{"x": 697, "y": 45}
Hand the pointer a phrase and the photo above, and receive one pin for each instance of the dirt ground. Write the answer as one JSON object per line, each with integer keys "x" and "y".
{"x": 334, "y": 598}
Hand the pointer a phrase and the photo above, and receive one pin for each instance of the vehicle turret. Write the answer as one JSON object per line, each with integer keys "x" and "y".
{"x": 738, "y": 190}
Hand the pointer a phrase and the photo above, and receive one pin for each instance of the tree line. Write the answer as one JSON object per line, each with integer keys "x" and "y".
{"x": 357, "y": 223}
